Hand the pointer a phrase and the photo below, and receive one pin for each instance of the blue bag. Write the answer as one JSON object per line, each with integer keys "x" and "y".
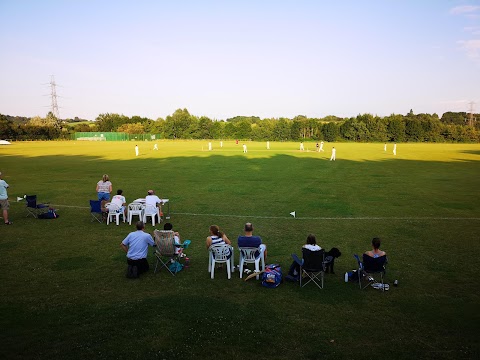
{"x": 272, "y": 277}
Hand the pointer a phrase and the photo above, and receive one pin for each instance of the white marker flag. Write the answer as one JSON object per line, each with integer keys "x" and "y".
{"x": 293, "y": 213}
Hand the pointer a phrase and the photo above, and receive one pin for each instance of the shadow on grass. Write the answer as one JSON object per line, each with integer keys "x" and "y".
{"x": 70, "y": 298}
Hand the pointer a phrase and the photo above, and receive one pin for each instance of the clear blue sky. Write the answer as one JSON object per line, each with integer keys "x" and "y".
{"x": 268, "y": 58}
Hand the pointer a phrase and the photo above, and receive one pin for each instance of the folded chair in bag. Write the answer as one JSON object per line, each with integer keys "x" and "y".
{"x": 370, "y": 268}
{"x": 312, "y": 268}
{"x": 96, "y": 210}
{"x": 223, "y": 254}
{"x": 251, "y": 255}
{"x": 33, "y": 208}
{"x": 165, "y": 251}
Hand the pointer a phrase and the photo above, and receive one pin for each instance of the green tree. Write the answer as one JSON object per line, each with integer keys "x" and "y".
{"x": 177, "y": 124}
{"x": 281, "y": 130}
{"x": 330, "y": 131}
{"x": 136, "y": 128}
{"x": 395, "y": 128}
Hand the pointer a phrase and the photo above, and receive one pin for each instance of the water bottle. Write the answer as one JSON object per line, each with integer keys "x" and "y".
{"x": 187, "y": 262}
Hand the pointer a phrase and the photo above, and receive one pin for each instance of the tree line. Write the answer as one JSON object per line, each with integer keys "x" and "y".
{"x": 451, "y": 127}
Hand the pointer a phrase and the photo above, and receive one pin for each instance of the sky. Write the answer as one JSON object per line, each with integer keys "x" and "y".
{"x": 220, "y": 59}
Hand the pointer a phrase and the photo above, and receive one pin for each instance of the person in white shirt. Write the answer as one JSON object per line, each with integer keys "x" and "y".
{"x": 334, "y": 153}
{"x": 120, "y": 201}
{"x": 153, "y": 200}
{"x": 294, "y": 271}
{"x": 321, "y": 146}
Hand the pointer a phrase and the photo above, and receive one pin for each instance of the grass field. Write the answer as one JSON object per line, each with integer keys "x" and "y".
{"x": 64, "y": 294}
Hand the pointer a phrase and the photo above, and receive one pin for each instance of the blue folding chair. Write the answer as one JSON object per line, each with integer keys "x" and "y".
{"x": 96, "y": 210}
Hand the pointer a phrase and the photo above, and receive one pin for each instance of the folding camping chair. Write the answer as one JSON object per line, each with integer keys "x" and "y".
{"x": 311, "y": 267}
{"x": 96, "y": 210}
{"x": 33, "y": 208}
{"x": 370, "y": 267}
{"x": 165, "y": 249}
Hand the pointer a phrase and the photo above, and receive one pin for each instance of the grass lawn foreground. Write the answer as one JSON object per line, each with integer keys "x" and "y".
{"x": 64, "y": 294}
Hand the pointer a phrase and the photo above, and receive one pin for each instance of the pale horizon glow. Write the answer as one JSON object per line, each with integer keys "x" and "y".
{"x": 222, "y": 59}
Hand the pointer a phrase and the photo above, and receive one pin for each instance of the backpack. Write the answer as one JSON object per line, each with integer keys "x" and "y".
{"x": 175, "y": 267}
{"x": 272, "y": 277}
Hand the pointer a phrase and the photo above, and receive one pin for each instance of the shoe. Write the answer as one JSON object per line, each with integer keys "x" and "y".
{"x": 9, "y": 223}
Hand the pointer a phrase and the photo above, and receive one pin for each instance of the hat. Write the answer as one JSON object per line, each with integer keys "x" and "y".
{"x": 150, "y": 192}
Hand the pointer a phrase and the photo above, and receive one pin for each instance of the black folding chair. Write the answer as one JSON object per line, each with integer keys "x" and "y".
{"x": 33, "y": 208}
{"x": 312, "y": 267}
{"x": 370, "y": 268}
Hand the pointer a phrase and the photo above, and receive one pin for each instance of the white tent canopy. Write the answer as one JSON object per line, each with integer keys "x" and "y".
{"x": 4, "y": 142}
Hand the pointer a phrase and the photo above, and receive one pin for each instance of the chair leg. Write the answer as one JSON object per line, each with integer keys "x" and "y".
{"x": 212, "y": 269}
{"x": 241, "y": 267}
{"x": 229, "y": 269}
{"x": 257, "y": 267}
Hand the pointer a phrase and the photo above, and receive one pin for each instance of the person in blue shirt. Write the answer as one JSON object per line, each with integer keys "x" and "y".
{"x": 250, "y": 240}
{"x": 136, "y": 246}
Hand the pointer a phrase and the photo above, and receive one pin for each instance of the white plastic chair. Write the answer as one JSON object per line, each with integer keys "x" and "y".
{"x": 135, "y": 209}
{"x": 222, "y": 254}
{"x": 114, "y": 211}
{"x": 151, "y": 211}
{"x": 247, "y": 256}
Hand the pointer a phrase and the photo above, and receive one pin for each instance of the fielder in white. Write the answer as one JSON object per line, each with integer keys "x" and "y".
{"x": 321, "y": 146}
{"x": 334, "y": 152}
{"x": 268, "y": 145}
{"x": 244, "y": 148}
{"x": 136, "y": 150}
{"x": 301, "y": 146}
{"x": 385, "y": 147}
{"x": 395, "y": 149}
{"x": 209, "y": 146}
{"x": 155, "y": 147}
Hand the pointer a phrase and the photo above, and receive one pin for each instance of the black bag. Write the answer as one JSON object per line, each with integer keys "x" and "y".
{"x": 51, "y": 214}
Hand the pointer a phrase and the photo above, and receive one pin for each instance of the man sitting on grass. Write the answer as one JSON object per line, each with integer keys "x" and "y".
{"x": 136, "y": 246}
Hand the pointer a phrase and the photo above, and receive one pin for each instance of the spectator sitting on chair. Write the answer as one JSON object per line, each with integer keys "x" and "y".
{"x": 136, "y": 246}
{"x": 217, "y": 237}
{"x": 250, "y": 240}
{"x": 153, "y": 200}
{"x": 120, "y": 201}
{"x": 294, "y": 271}
{"x": 169, "y": 226}
{"x": 376, "y": 252}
